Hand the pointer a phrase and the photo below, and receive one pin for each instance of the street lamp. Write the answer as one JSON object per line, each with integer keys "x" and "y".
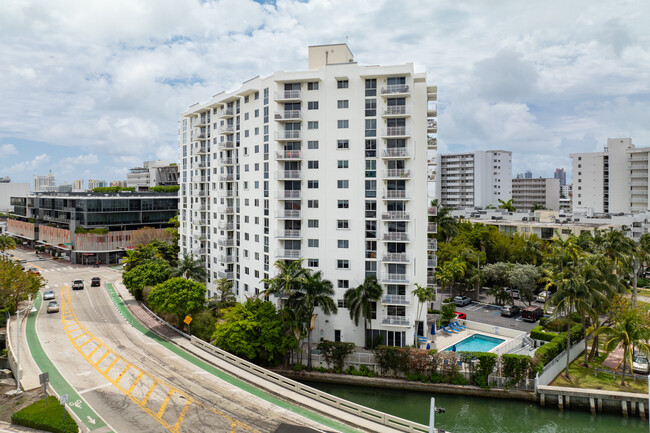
{"x": 432, "y": 413}
{"x": 635, "y": 267}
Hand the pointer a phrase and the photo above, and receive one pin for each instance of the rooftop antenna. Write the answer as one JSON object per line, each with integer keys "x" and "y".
{"x": 347, "y": 39}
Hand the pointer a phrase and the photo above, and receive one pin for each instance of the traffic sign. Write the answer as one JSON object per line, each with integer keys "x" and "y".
{"x": 187, "y": 320}
{"x": 63, "y": 399}
{"x": 44, "y": 378}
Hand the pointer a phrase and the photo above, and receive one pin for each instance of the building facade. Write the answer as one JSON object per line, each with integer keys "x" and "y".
{"x": 328, "y": 165}
{"x": 474, "y": 179}
{"x": 540, "y": 192}
{"x": 45, "y": 183}
{"x": 153, "y": 173}
{"x": 560, "y": 174}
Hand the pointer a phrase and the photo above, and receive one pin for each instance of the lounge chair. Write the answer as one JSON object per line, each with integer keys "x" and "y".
{"x": 459, "y": 326}
{"x": 453, "y": 328}
{"x": 447, "y": 331}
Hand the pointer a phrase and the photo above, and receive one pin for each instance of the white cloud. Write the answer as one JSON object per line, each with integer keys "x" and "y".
{"x": 27, "y": 168}
{"x": 7, "y": 150}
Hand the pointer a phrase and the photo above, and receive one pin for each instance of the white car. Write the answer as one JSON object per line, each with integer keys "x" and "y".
{"x": 543, "y": 296}
{"x": 640, "y": 364}
{"x": 48, "y": 295}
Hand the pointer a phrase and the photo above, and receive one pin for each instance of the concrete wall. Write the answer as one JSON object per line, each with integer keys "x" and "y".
{"x": 555, "y": 367}
{"x": 7, "y": 190}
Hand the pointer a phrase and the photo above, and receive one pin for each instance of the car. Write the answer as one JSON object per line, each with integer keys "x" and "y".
{"x": 53, "y": 307}
{"x": 509, "y": 310}
{"x": 95, "y": 282}
{"x": 33, "y": 271}
{"x": 640, "y": 364}
{"x": 461, "y": 316}
{"x": 77, "y": 284}
{"x": 461, "y": 301}
{"x": 532, "y": 313}
{"x": 543, "y": 296}
{"x": 48, "y": 295}
{"x": 514, "y": 294}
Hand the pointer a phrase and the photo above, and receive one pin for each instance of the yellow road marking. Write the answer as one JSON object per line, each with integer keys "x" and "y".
{"x": 94, "y": 350}
{"x": 122, "y": 373}
{"x": 165, "y": 402}
{"x": 82, "y": 345}
{"x": 146, "y": 397}
{"x": 233, "y": 428}
{"x": 182, "y": 415}
{"x": 135, "y": 382}
{"x": 112, "y": 365}
{"x": 81, "y": 335}
{"x": 102, "y": 358}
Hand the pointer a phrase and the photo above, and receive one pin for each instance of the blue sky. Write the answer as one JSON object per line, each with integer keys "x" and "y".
{"x": 90, "y": 89}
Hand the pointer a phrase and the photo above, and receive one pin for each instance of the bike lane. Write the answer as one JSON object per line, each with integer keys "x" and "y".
{"x": 76, "y": 403}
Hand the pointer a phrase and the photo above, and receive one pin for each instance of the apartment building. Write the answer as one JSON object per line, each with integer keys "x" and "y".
{"x": 329, "y": 165}
{"x": 45, "y": 183}
{"x": 96, "y": 183}
{"x": 153, "y": 173}
{"x": 474, "y": 179}
{"x": 540, "y": 192}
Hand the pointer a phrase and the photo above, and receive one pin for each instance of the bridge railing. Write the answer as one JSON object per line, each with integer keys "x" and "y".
{"x": 395, "y": 422}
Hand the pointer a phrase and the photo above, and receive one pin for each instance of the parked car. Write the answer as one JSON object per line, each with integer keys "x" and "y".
{"x": 509, "y": 310}
{"x": 53, "y": 307}
{"x": 48, "y": 295}
{"x": 640, "y": 364}
{"x": 77, "y": 284}
{"x": 543, "y": 296}
{"x": 95, "y": 282}
{"x": 461, "y": 301}
{"x": 515, "y": 294}
{"x": 460, "y": 316}
{"x": 532, "y": 314}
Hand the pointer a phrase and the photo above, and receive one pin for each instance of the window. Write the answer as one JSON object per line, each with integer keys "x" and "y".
{"x": 342, "y": 224}
{"x": 312, "y": 125}
{"x": 343, "y": 204}
{"x": 342, "y": 144}
{"x": 342, "y": 84}
{"x": 312, "y": 165}
{"x": 342, "y": 124}
{"x": 246, "y": 116}
{"x": 312, "y": 144}
{"x": 246, "y": 133}
{"x": 257, "y": 113}
{"x": 371, "y": 87}
{"x": 312, "y": 263}
{"x": 343, "y": 243}
{"x": 342, "y": 264}
{"x": 371, "y": 107}
{"x": 312, "y": 105}
{"x": 312, "y": 85}
{"x": 342, "y": 103}
{"x": 371, "y": 127}
{"x": 312, "y": 184}
{"x": 312, "y": 243}
{"x": 245, "y": 99}
{"x": 371, "y": 148}
{"x": 342, "y": 163}
{"x": 312, "y": 224}
{"x": 340, "y": 304}
{"x": 343, "y": 284}
{"x": 313, "y": 204}
{"x": 342, "y": 184}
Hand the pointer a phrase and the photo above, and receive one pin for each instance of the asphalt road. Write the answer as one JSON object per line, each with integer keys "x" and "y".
{"x": 133, "y": 383}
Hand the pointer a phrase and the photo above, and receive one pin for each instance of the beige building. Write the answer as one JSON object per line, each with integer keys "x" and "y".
{"x": 78, "y": 185}
{"x": 544, "y": 192}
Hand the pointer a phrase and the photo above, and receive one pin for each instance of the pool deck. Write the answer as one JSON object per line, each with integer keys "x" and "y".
{"x": 442, "y": 340}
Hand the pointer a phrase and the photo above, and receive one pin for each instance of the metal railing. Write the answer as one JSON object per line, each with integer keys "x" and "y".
{"x": 396, "y": 131}
{"x": 288, "y": 174}
{"x": 396, "y": 110}
{"x": 288, "y": 194}
{"x": 395, "y": 194}
{"x": 288, "y": 254}
{"x": 288, "y": 115}
{"x": 397, "y": 257}
{"x": 395, "y": 88}
{"x": 291, "y": 234}
{"x": 289, "y": 213}
{"x": 288, "y": 154}
{"x": 397, "y": 152}
{"x": 396, "y": 236}
{"x": 288, "y": 135}
{"x": 397, "y": 172}
{"x": 288, "y": 94}
{"x": 396, "y": 321}
{"x": 396, "y": 300}
{"x": 395, "y": 215}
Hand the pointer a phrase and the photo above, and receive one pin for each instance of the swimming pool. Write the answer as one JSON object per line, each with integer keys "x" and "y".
{"x": 476, "y": 343}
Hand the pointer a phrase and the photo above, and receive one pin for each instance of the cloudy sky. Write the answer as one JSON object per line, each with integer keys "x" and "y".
{"x": 89, "y": 89}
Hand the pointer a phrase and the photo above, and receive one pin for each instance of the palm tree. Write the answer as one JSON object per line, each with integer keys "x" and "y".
{"x": 7, "y": 243}
{"x": 507, "y": 205}
{"x": 617, "y": 246}
{"x": 190, "y": 268}
{"x": 424, "y": 294}
{"x": 288, "y": 279}
{"x": 447, "y": 225}
{"x": 566, "y": 250}
{"x": 533, "y": 247}
{"x": 630, "y": 332}
{"x": 453, "y": 271}
{"x": 313, "y": 292}
{"x": 359, "y": 301}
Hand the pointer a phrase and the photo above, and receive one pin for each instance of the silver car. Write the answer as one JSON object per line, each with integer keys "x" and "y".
{"x": 48, "y": 295}
{"x": 53, "y": 307}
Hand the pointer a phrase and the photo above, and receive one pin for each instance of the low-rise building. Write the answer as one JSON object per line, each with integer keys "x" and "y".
{"x": 153, "y": 173}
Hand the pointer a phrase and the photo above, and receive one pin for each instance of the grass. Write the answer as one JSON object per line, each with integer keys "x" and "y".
{"x": 582, "y": 377}
{"x": 643, "y": 291}
{"x": 47, "y": 417}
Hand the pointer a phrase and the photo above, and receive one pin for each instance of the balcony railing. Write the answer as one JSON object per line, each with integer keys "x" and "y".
{"x": 396, "y": 152}
{"x": 395, "y": 88}
{"x": 396, "y": 321}
{"x": 432, "y": 125}
{"x": 396, "y": 110}
{"x": 289, "y": 214}
{"x": 395, "y": 278}
{"x": 395, "y": 194}
{"x": 432, "y": 245}
{"x": 288, "y": 194}
{"x": 226, "y": 209}
{"x": 226, "y": 145}
{"x": 226, "y": 112}
{"x": 228, "y": 177}
{"x": 287, "y": 254}
{"x": 288, "y": 135}
{"x": 432, "y": 228}
{"x": 227, "y": 194}
{"x": 202, "y": 150}
{"x": 396, "y": 131}
{"x": 433, "y": 211}
{"x": 226, "y": 259}
{"x": 226, "y": 275}
{"x": 288, "y": 174}
{"x": 288, "y": 154}
{"x": 288, "y": 115}
{"x": 223, "y": 225}
{"x": 431, "y": 280}
{"x": 226, "y": 129}
{"x": 432, "y": 262}
{"x": 227, "y": 242}
{"x": 432, "y": 142}
{"x": 288, "y": 234}
{"x": 397, "y": 257}
{"x": 285, "y": 95}
{"x": 397, "y": 172}
{"x": 201, "y": 193}
{"x": 396, "y": 236}
{"x": 226, "y": 161}
{"x": 396, "y": 300}
{"x": 395, "y": 215}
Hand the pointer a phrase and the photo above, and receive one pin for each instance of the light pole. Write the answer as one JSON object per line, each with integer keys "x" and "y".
{"x": 635, "y": 267}
{"x": 432, "y": 414}
{"x": 18, "y": 391}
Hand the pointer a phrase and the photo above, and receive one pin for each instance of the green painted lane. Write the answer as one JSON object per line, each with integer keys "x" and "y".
{"x": 75, "y": 403}
{"x": 124, "y": 311}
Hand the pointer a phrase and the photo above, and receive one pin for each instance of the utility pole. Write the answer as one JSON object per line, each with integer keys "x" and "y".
{"x": 635, "y": 267}
{"x": 18, "y": 351}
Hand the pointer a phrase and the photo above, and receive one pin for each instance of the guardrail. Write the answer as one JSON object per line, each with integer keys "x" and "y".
{"x": 164, "y": 322}
{"x": 382, "y": 418}
{"x": 13, "y": 365}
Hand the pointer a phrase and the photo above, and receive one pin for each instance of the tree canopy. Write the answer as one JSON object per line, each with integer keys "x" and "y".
{"x": 177, "y": 296}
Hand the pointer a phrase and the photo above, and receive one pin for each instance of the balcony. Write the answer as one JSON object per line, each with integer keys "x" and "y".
{"x": 396, "y": 321}
{"x": 227, "y": 242}
{"x": 432, "y": 245}
{"x": 395, "y": 89}
{"x": 396, "y": 195}
{"x": 432, "y": 262}
{"x": 288, "y": 155}
{"x": 201, "y": 179}
{"x": 227, "y": 275}
{"x": 202, "y": 165}
{"x": 396, "y": 131}
{"x": 288, "y": 194}
{"x": 396, "y": 237}
{"x": 288, "y": 135}
{"x": 396, "y": 111}
{"x": 395, "y": 216}
{"x": 432, "y": 110}
{"x": 202, "y": 150}
{"x": 201, "y": 136}
{"x": 288, "y": 234}
{"x": 432, "y": 125}
{"x": 226, "y": 210}
{"x": 201, "y": 222}
{"x": 396, "y": 258}
{"x": 201, "y": 251}
{"x": 433, "y": 211}
{"x": 396, "y": 300}
{"x": 432, "y": 143}
{"x": 288, "y": 174}
{"x": 227, "y": 129}
{"x": 228, "y": 194}
{"x": 202, "y": 121}
{"x": 432, "y": 93}
{"x": 224, "y": 225}
{"x": 289, "y": 214}
{"x": 226, "y": 145}
{"x": 431, "y": 280}
{"x": 287, "y": 115}
{"x": 226, "y": 112}
{"x": 227, "y": 161}
{"x": 202, "y": 193}
{"x": 395, "y": 278}
{"x": 287, "y": 254}
{"x": 397, "y": 173}
{"x": 396, "y": 152}
{"x": 432, "y": 228}
{"x": 228, "y": 177}
{"x": 288, "y": 95}
{"x": 226, "y": 259}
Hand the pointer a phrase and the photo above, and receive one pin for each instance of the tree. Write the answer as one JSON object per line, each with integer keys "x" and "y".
{"x": 507, "y": 205}
{"x": 223, "y": 298}
{"x": 288, "y": 279}
{"x": 524, "y": 278}
{"x": 453, "y": 271}
{"x": 359, "y": 301}
{"x": 190, "y": 268}
{"x": 631, "y": 332}
{"x": 254, "y": 330}
{"x": 141, "y": 254}
{"x": 313, "y": 292}
{"x": 148, "y": 274}
{"x": 144, "y": 235}
{"x": 534, "y": 248}
{"x": 7, "y": 243}
{"x": 177, "y": 296}
{"x": 16, "y": 284}
{"x": 447, "y": 225}
{"x": 424, "y": 294}
{"x": 617, "y": 247}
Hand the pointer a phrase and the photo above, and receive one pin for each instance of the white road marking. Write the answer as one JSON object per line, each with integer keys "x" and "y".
{"x": 94, "y": 388}
{"x": 84, "y": 373}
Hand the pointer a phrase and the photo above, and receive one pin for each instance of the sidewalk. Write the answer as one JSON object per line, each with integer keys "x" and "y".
{"x": 29, "y": 370}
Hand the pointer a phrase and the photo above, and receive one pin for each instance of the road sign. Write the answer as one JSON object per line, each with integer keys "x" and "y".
{"x": 187, "y": 320}
{"x": 44, "y": 378}
{"x": 63, "y": 399}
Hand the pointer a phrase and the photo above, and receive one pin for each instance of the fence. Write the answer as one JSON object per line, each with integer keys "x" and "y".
{"x": 376, "y": 416}
{"x": 504, "y": 382}
{"x": 553, "y": 368}
{"x": 355, "y": 359}
{"x": 506, "y": 347}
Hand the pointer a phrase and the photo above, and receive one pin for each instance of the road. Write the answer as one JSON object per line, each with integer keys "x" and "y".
{"x": 129, "y": 380}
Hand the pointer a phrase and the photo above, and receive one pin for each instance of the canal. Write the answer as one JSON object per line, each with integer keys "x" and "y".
{"x": 479, "y": 415}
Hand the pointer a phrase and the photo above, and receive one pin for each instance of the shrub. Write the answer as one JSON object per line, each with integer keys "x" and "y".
{"x": 298, "y": 367}
{"x": 447, "y": 313}
{"x": 550, "y": 350}
{"x": 335, "y": 352}
{"x": 517, "y": 367}
{"x": 394, "y": 359}
{"x": 538, "y": 333}
{"x": 171, "y": 188}
{"x": 459, "y": 379}
{"x": 47, "y": 417}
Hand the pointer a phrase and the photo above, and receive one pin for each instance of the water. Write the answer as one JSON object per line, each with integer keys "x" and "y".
{"x": 476, "y": 343}
{"x": 478, "y": 415}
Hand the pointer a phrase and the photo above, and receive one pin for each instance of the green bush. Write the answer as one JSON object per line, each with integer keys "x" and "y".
{"x": 395, "y": 359}
{"x": 538, "y": 333}
{"x": 47, "y": 417}
{"x": 447, "y": 313}
{"x": 298, "y": 367}
{"x": 335, "y": 352}
{"x": 113, "y": 189}
{"x": 550, "y": 350}
{"x": 459, "y": 380}
{"x": 171, "y": 188}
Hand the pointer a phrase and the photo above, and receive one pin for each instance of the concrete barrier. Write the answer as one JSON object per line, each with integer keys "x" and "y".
{"x": 626, "y": 403}
{"x": 13, "y": 365}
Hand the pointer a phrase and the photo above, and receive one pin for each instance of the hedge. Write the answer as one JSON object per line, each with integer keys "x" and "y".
{"x": 538, "y": 333}
{"x": 47, "y": 417}
{"x": 550, "y": 350}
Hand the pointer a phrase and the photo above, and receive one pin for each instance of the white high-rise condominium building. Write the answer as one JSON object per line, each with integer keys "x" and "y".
{"x": 474, "y": 179}
{"x": 541, "y": 192}
{"x": 328, "y": 165}
{"x": 45, "y": 183}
